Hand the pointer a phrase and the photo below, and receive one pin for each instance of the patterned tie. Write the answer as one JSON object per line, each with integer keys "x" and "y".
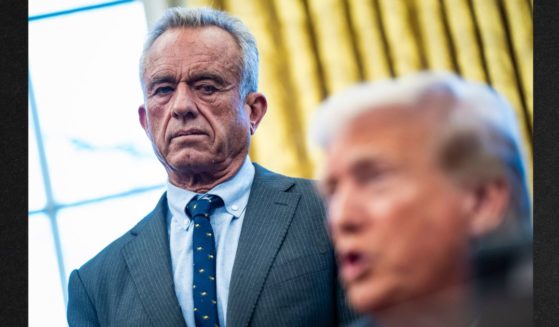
{"x": 203, "y": 246}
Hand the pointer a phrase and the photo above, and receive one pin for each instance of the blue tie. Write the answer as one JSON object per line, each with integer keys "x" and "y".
{"x": 204, "y": 292}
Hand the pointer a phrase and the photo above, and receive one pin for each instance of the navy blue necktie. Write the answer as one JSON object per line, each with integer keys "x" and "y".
{"x": 204, "y": 292}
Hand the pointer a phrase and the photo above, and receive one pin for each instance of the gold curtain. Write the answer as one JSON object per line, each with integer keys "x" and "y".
{"x": 311, "y": 48}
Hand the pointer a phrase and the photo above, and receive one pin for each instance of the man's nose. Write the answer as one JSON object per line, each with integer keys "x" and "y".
{"x": 184, "y": 104}
{"x": 346, "y": 212}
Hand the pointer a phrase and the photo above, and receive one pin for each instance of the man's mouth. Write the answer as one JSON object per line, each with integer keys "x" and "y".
{"x": 189, "y": 132}
{"x": 353, "y": 265}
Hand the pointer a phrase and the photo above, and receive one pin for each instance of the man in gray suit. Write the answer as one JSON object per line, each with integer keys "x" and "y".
{"x": 272, "y": 264}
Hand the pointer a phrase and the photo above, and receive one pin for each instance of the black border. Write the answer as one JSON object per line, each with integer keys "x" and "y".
{"x": 13, "y": 163}
{"x": 546, "y": 163}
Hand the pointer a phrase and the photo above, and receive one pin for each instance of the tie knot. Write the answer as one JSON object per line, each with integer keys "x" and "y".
{"x": 203, "y": 206}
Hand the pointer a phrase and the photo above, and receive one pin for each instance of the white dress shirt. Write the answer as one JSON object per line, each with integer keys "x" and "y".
{"x": 226, "y": 224}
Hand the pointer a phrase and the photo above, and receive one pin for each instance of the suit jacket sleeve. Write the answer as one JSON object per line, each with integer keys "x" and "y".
{"x": 81, "y": 311}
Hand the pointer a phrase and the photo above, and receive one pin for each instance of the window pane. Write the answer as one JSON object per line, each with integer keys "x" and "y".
{"x": 86, "y": 230}
{"x": 84, "y": 69}
{"x": 46, "y": 301}
{"x": 36, "y": 191}
{"x": 41, "y": 7}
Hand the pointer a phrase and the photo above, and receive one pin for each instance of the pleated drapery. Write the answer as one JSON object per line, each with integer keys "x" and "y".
{"x": 311, "y": 48}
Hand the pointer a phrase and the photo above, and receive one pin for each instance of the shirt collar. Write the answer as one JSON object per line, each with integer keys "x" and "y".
{"x": 234, "y": 192}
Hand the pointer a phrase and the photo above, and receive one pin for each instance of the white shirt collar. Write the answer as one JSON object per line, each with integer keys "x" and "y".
{"x": 234, "y": 192}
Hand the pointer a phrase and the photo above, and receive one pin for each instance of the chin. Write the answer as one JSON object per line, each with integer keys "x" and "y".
{"x": 193, "y": 166}
{"x": 360, "y": 299}
{"x": 189, "y": 159}
{"x": 367, "y": 299}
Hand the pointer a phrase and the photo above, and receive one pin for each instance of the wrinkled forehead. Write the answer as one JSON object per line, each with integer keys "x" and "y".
{"x": 187, "y": 42}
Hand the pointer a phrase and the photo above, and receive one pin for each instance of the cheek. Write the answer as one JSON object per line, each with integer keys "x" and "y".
{"x": 157, "y": 122}
{"x": 233, "y": 126}
{"x": 426, "y": 248}
{"x": 413, "y": 228}
{"x": 402, "y": 229}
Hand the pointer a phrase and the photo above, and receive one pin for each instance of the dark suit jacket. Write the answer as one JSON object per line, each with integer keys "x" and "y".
{"x": 284, "y": 272}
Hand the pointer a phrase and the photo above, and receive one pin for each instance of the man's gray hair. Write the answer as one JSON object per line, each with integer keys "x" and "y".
{"x": 478, "y": 134}
{"x": 178, "y": 17}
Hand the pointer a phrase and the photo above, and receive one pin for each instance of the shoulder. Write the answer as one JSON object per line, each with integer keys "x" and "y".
{"x": 306, "y": 189}
{"x": 309, "y": 211}
{"x": 110, "y": 257}
{"x": 285, "y": 183}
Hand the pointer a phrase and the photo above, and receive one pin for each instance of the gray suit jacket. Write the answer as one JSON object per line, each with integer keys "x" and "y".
{"x": 284, "y": 272}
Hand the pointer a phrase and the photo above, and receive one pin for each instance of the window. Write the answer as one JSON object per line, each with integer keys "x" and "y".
{"x": 92, "y": 171}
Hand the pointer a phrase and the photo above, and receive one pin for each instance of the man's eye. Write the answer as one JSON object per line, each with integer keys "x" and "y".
{"x": 163, "y": 90}
{"x": 206, "y": 89}
{"x": 368, "y": 176}
{"x": 376, "y": 176}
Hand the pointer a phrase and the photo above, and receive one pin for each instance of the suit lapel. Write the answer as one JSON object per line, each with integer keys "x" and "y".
{"x": 269, "y": 212}
{"x": 148, "y": 259}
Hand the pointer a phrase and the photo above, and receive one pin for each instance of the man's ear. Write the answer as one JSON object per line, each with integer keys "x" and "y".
{"x": 487, "y": 206}
{"x": 142, "y": 117}
{"x": 256, "y": 106}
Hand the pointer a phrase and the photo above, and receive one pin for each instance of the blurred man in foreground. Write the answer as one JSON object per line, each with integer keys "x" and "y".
{"x": 427, "y": 201}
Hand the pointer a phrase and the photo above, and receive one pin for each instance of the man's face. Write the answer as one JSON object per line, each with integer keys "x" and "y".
{"x": 193, "y": 113}
{"x": 397, "y": 221}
